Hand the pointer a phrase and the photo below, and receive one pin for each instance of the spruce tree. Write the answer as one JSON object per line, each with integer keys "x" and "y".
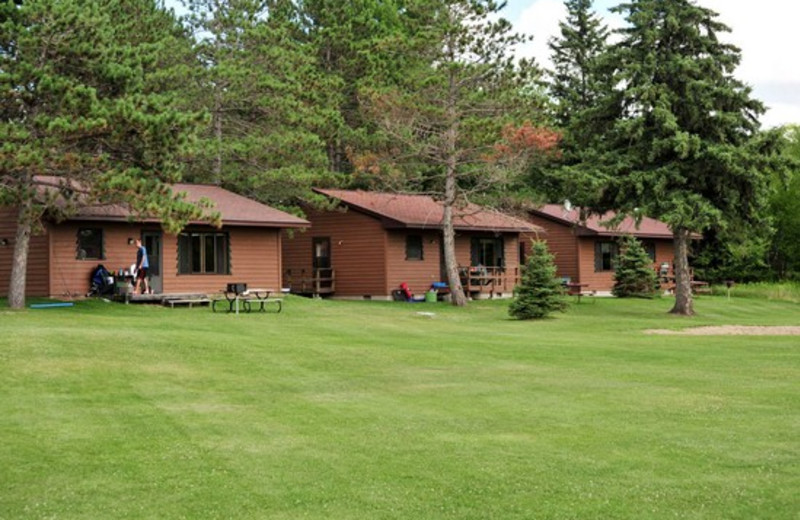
{"x": 634, "y": 275}
{"x": 579, "y": 84}
{"x": 577, "y": 81}
{"x": 540, "y": 293}
{"x": 685, "y": 145}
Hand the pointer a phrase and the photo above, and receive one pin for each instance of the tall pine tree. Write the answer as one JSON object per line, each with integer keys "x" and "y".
{"x": 579, "y": 83}
{"x": 267, "y": 99}
{"x": 685, "y": 146}
{"x": 355, "y": 46}
{"x": 87, "y": 106}
{"x": 448, "y": 111}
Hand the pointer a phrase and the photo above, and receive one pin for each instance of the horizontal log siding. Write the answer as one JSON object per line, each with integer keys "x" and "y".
{"x": 665, "y": 252}
{"x": 604, "y": 280}
{"x": 418, "y": 274}
{"x": 358, "y": 251}
{"x": 512, "y": 261}
{"x": 69, "y": 276}
{"x": 561, "y": 242}
{"x": 36, "y": 283}
{"x": 255, "y": 259}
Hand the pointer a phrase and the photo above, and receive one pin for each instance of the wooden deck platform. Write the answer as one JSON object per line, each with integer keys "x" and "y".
{"x": 158, "y": 298}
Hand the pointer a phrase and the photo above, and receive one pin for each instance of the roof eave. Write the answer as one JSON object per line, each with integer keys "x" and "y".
{"x": 235, "y": 223}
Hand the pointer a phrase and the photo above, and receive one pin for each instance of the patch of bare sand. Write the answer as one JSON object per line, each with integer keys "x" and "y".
{"x": 731, "y": 330}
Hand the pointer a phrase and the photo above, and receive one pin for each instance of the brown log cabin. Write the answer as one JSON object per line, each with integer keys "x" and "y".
{"x": 374, "y": 242}
{"x": 586, "y": 251}
{"x": 200, "y": 259}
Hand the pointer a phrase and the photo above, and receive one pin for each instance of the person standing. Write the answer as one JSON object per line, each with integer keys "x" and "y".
{"x": 142, "y": 266}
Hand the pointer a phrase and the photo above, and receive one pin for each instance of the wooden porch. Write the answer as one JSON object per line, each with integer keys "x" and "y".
{"x": 314, "y": 282}
{"x": 160, "y": 298}
{"x": 492, "y": 281}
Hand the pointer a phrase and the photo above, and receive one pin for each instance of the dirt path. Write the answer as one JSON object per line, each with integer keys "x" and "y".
{"x": 731, "y": 330}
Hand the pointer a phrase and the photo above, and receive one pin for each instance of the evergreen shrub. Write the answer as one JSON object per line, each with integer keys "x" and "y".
{"x": 540, "y": 292}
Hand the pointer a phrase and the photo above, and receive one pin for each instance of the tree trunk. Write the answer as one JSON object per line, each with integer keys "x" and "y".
{"x": 684, "y": 304}
{"x": 451, "y": 265}
{"x": 19, "y": 263}
{"x": 450, "y": 188}
{"x": 217, "y": 116}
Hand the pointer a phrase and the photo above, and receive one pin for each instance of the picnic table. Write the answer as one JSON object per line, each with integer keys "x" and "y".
{"x": 697, "y": 286}
{"x": 579, "y": 290}
{"x": 236, "y": 294}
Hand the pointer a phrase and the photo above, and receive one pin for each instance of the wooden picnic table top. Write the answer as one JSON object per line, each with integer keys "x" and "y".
{"x": 257, "y": 291}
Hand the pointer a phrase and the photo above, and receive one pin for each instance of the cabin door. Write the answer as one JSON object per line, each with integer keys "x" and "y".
{"x": 322, "y": 253}
{"x": 487, "y": 252}
{"x": 152, "y": 242}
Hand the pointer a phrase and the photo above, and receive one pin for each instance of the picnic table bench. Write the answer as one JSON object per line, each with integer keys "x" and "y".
{"x": 172, "y": 302}
{"x": 236, "y": 294}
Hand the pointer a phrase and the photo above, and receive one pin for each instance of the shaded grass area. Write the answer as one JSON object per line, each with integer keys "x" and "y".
{"x": 371, "y": 410}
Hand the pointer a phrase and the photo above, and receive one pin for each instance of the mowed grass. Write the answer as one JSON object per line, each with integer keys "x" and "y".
{"x": 371, "y": 410}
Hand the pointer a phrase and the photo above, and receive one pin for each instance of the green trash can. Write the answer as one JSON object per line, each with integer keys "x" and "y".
{"x": 430, "y": 296}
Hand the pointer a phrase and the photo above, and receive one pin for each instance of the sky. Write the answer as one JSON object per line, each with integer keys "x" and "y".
{"x": 766, "y": 31}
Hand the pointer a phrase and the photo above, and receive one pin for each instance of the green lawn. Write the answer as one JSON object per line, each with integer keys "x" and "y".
{"x": 362, "y": 410}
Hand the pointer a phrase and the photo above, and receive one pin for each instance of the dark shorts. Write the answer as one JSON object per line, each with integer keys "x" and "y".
{"x": 141, "y": 273}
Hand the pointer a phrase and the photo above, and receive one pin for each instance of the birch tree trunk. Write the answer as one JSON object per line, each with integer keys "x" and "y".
{"x": 684, "y": 304}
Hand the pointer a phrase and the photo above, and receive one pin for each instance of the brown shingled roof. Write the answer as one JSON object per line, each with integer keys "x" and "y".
{"x": 423, "y": 212}
{"x": 239, "y": 210}
{"x": 236, "y": 210}
{"x": 648, "y": 227}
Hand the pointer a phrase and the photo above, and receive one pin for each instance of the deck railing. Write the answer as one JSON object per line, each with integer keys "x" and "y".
{"x": 493, "y": 280}
{"x": 316, "y": 281}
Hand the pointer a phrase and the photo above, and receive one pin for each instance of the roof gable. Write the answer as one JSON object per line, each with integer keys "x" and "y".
{"x": 423, "y": 212}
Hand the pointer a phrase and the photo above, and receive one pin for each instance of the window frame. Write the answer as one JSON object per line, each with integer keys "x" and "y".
{"x": 413, "y": 248}
{"x": 599, "y": 259}
{"x": 478, "y": 248}
{"x": 79, "y": 245}
{"x": 193, "y": 253}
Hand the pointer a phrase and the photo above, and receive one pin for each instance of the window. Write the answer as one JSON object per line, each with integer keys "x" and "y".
{"x": 487, "y": 252}
{"x": 203, "y": 253}
{"x": 413, "y": 247}
{"x": 90, "y": 244}
{"x": 605, "y": 256}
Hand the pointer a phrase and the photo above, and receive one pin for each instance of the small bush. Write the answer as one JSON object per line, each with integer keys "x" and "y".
{"x": 540, "y": 292}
